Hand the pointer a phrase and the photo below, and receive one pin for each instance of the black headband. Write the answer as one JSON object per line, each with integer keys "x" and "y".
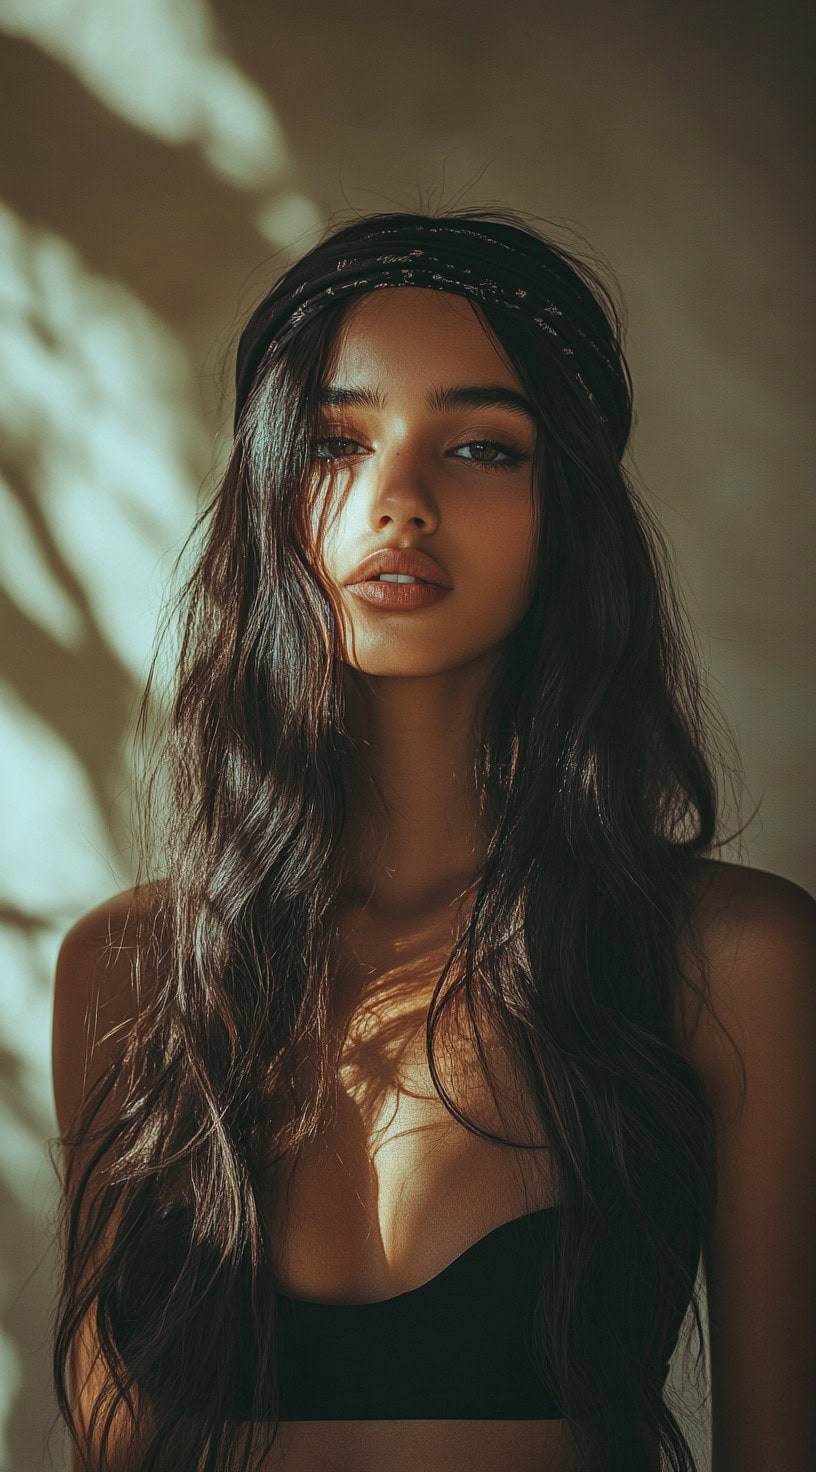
{"x": 524, "y": 277}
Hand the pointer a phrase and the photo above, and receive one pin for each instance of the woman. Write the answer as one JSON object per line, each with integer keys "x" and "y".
{"x": 443, "y": 1047}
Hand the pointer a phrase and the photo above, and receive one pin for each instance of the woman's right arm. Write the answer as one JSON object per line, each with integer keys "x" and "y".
{"x": 93, "y": 994}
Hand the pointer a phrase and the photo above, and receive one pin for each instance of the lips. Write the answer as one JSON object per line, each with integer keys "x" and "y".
{"x": 397, "y": 597}
{"x": 406, "y": 560}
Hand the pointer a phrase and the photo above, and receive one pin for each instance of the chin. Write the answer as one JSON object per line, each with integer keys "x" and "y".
{"x": 429, "y": 660}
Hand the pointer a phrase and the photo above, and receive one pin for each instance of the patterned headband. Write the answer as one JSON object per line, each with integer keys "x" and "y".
{"x": 349, "y": 262}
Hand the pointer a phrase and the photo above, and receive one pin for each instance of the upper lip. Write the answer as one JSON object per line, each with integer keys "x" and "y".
{"x": 407, "y": 560}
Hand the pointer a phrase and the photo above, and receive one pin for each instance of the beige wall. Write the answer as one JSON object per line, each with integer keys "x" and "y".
{"x": 155, "y": 160}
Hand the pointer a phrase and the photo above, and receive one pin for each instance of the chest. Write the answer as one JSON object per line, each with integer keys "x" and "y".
{"x": 396, "y": 1187}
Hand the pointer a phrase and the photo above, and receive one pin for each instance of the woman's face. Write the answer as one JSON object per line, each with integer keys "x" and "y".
{"x": 454, "y": 482}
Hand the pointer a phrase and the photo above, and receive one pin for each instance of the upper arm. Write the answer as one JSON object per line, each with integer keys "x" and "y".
{"x": 93, "y": 1003}
{"x": 89, "y": 988}
{"x": 760, "y": 1266}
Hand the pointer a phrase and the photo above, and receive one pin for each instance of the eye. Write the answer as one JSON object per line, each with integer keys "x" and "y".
{"x": 333, "y": 440}
{"x": 511, "y": 457}
{"x": 331, "y": 448}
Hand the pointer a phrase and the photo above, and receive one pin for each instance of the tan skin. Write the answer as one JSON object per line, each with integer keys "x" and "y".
{"x": 397, "y": 1188}
{"x": 413, "y": 476}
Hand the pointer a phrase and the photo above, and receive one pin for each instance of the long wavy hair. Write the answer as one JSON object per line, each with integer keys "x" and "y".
{"x": 596, "y": 771}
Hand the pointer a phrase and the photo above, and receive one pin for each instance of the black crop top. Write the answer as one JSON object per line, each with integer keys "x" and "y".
{"x": 456, "y": 1347}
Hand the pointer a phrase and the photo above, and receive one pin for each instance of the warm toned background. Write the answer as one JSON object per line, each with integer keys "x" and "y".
{"x": 160, "y": 159}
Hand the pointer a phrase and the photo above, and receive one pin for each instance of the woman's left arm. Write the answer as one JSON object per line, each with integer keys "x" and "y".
{"x": 760, "y": 1264}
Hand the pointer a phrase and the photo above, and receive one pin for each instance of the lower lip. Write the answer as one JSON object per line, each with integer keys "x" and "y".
{"x": 398, "y": 595}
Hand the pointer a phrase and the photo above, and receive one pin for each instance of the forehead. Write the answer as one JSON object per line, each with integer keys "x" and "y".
{"x": 416, "y": 330}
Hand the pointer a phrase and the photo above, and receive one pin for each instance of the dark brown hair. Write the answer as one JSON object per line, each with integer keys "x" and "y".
{"x": 594, "y": 765}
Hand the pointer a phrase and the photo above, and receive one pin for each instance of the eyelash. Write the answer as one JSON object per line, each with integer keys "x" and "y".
{"x": 514, "y": 457}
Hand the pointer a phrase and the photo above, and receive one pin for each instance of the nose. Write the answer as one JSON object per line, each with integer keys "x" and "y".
{"x": 400, "y": 491}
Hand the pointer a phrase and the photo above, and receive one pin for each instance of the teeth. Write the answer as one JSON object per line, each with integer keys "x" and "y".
{"x": 396, "y": 577}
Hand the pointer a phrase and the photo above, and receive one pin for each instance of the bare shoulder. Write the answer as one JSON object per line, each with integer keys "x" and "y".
{"x": 94, "y": 993}
{"x": 757, "y": 943}
{"x": 109, "y": 920}
{"x": 738, "y": 902}
{"x": 758, "y": 940}
{"x": 97, "y": 994}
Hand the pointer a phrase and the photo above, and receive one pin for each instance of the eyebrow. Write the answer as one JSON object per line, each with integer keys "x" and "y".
{"x": 461, "y": 396}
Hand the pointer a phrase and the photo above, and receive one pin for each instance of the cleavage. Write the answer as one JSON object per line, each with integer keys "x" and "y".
{"x": 396, "y": 1187}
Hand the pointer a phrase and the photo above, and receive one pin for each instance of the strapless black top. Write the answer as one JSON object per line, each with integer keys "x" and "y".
{"x": 456, "y": 1347}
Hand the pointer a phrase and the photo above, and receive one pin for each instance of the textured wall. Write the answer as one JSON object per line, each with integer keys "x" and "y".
{"x": 158, "y": 161}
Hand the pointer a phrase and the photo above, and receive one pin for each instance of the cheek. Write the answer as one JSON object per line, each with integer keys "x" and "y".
{"x": 504, "y": 557}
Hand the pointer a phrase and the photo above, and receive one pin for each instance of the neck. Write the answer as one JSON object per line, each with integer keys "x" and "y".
{"x": 418, "y": 732}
